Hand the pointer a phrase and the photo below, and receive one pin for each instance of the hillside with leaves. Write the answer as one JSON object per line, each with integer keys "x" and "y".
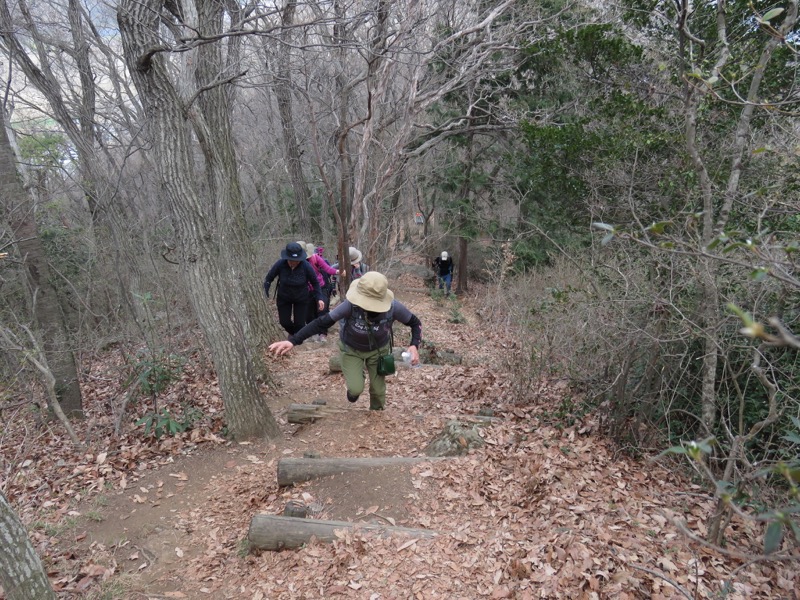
{"x": 544, "y": 509}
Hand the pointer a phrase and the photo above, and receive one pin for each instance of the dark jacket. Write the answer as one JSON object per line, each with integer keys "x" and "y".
{"x": 353, "y": 331}
{"x": 293, "y": 284}
{"x": 443, "y": 267}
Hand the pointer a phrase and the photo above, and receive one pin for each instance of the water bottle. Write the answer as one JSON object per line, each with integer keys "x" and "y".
{"x": 407, "y": 359}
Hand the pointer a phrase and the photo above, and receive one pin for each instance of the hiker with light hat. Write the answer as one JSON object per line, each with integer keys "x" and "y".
{"x": 365, "y": 334}
{"x": 297, "y": 287}
{"x": 357, "y": 268}
{"x": 443, "y": 266}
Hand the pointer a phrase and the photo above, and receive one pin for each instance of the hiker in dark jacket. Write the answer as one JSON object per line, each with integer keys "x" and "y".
{"x": 365, "y": 333}
{"x": 443, "y": 266}
{"x": 293, "y": 296}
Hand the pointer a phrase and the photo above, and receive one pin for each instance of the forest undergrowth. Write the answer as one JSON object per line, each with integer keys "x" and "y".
{"x": 548, "y": 507}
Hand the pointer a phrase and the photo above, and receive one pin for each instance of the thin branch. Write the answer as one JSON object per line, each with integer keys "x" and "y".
{"x": 212, "y": 86}
{"x": 38, "y": 359}
{"x": 670, "y": 581}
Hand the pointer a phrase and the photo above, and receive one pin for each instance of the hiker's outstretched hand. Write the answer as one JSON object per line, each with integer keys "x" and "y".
{"x": 414, "y": 355}
{"x": 281, "y": 348}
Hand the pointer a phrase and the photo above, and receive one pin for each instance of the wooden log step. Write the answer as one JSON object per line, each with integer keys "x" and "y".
{"x": 297, "y": 470}
{"x": 474, "y": 419}
{"x": 273, "y": 532}
{"x": 308, "y": 413}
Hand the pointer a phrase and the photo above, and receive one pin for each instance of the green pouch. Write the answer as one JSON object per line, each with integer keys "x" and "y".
{"x": 385, "y": 361}
{"x": 386, "y": 364}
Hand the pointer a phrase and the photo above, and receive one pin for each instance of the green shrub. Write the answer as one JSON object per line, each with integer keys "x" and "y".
{"x": 165, "y": 423}
{"x": 155, "y": 371}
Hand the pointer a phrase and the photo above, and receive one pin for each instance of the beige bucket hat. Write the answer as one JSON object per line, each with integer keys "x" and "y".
{"x": 371, "y": 292}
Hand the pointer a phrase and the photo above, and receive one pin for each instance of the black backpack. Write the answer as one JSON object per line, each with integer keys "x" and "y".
{"x": 358, "y": 313}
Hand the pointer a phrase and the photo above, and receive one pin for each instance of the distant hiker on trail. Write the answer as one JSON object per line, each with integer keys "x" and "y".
{"x": 325, "y": 274}
{"x": 367, "y": 316}
{"x": 297, "y": 287}
{"x": 443, "y": 265}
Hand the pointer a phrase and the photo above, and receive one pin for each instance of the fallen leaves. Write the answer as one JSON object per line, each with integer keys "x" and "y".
{"x": 537, "y": 513}
{"x": 666, "y": 564}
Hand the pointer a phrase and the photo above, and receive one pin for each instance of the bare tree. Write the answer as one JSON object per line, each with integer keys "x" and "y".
{"x": 383, "y": 64}
{"x": 283, "y": 94}
{"x": 31, "y": 351}
{"x": 728, "y": 247}
{"x": 63, "y": 63}
{"x": 42, "y": 297}
{"x": 717, "y": 207}
{"x": 214, "y": 69}
{"x": 174, "y": 122}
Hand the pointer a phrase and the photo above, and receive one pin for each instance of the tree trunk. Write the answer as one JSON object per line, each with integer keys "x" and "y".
{"x": 214, "y": 132}
{"x": 463, "y": 259}
{"x": 297, "y": 470}
{"x": 22, "y": 574}
{"x": 283, "y": 95}
{"x": 36, "y": 357}
{"x": 44, "y": 301}
{"x": 371, "y": 197}
{"x": 203, "y": 262}
{"x": 464, "y": 195}
{"x": 346, "y": 210}
{"x": 270, "y": 532}
{"x": 711, "y": 316}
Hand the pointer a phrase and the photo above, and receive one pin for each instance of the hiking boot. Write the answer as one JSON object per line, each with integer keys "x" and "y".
{"x": 350, "y": 397}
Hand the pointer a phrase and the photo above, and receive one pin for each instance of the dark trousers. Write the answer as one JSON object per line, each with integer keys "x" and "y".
{"x": 313, "y": 309}
{"x": 292, "y": 312}
{"x": 445, "y": 281}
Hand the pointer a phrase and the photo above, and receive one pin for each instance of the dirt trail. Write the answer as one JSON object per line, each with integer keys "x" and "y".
{"x": 167, "y": 517}
{"x": 539, "y": 512}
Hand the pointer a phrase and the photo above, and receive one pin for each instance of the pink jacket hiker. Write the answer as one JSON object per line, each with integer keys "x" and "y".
{"x": 319, "y": 265}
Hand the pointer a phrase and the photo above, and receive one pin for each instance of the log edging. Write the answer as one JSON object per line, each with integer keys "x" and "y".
{"x": 273, "y": 532}
{"x": 298, "y": 470}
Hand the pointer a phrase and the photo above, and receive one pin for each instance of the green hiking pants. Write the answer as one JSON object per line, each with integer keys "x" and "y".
{"x": 353, "y": 363}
